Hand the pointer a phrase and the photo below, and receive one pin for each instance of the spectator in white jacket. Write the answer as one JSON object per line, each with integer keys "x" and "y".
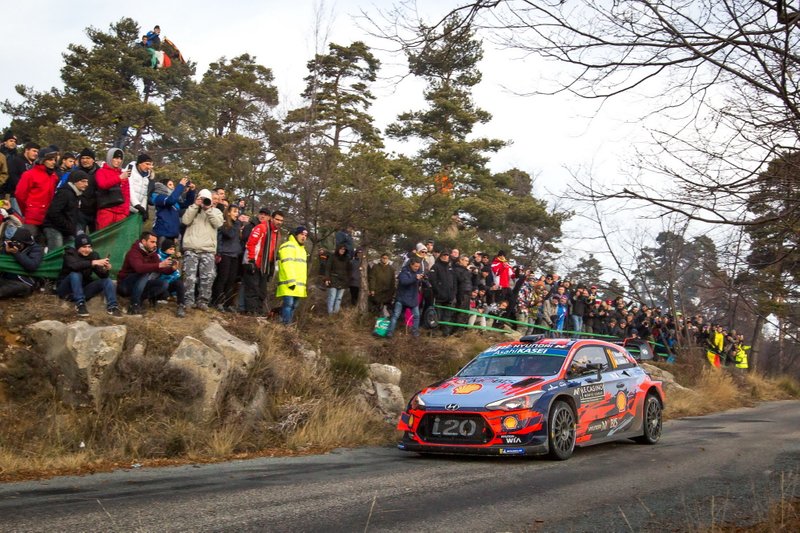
{"x": 139, "y": 182}
{"x": 202, "y": 219}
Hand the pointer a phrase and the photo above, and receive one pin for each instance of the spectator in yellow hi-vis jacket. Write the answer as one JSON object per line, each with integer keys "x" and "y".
{"x": 292, "y": 272}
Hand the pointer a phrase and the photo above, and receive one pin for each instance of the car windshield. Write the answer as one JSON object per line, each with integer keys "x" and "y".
{"x": 511, "y": 364}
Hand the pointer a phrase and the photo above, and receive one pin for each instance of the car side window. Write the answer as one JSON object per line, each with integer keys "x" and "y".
{"x": 591, "y": 354}
{"x": 620, "y": 358}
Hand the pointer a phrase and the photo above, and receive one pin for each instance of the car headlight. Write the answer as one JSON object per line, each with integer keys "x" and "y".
{"x": 416, "y": 402}
{"x": 523, "y": 401}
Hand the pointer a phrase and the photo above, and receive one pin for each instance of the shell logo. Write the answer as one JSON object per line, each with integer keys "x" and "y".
{"x": 510, "y": 423}
{"x": 621, "y": 401}
{"x": 467, "y": 389}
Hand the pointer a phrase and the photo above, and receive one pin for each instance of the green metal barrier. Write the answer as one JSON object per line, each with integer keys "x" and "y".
{"x": 544, "y": 329}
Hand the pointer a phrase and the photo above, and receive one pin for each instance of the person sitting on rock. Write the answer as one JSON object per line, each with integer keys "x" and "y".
{"x": 76, "y": 282}
{"x": 28, "y": 254}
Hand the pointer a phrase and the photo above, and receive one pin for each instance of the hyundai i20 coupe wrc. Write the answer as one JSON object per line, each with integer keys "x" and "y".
{"x": 536, "y": 396}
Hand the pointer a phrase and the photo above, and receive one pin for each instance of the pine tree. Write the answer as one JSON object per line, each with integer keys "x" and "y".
{"x": 111, "y": 95}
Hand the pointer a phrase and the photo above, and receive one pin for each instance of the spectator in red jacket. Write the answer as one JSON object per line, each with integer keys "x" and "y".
{"x": 260, "y": 255}
{"x": 503, "y": 274}
{"x": 113, "y": 190}
{"x": 135, "y": 279}
{"x": 36, "y": 187}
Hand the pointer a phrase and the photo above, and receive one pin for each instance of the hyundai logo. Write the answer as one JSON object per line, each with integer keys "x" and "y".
{"x": 451, "y": 407}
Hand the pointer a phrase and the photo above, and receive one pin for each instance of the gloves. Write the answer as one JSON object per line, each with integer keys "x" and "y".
{"x": 142, "y": 211}
{"x": 250, "y": 267}
{"x": 292, "y": 287}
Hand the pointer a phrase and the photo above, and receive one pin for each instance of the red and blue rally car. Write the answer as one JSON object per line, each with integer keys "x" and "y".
{"x": 536, "y": 396}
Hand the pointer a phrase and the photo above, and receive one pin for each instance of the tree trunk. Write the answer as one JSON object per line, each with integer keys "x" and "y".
{"x": 756, "y": 344}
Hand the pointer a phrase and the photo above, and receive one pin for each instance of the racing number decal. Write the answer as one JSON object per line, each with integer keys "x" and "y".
{"x": 451, "y": 427}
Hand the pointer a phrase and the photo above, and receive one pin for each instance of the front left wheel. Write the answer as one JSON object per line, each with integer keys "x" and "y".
{"x": 561, "y": 431}
{"x": 653, "y": 411}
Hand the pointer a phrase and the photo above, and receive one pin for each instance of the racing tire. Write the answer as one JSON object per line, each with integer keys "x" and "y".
{"x": 561, "y": 426}
{"x": 652, "y": 423}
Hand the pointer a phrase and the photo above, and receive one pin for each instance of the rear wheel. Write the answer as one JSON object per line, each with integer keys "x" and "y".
{"x": 561, "y": 427}
{"x": 653, "y": 410}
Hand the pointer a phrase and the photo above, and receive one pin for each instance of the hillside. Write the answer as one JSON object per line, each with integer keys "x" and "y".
{"x": 304, "y": 390}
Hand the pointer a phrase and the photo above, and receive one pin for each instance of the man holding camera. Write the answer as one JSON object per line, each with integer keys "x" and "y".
{"x": 408, "y": 283}
{"x": 200, "y": 246}
{"x": 28, "y": 254}
{"x": 139, "y": 276}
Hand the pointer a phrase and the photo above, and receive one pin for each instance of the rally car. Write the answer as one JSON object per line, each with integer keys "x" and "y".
{"x": 536, "y": 396}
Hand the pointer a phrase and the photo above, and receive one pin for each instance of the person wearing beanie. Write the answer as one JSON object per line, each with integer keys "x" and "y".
{"x": 28, "y": 255}
{"x": 9, "y": 145}
{"x": 167, "y": 252}
{"x": 113, "y": 190}
{"x": 63, "y": 216}
{"x": 76, "y": 282}
{"x": 292, "y": 273}
{"x": 36, "y": 187}
{"x": 141, "y": 175}
{"x": 88, "y": 208}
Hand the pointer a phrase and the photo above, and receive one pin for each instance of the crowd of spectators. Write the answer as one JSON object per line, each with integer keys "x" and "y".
{"x": 202, "y": 248}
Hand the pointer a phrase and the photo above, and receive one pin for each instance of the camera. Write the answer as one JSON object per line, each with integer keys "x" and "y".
{"x": 206, "y": 202}
{"x": 13, "y": 244}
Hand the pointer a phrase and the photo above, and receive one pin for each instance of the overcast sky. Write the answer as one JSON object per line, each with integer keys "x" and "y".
{"x": 548, "y": 134}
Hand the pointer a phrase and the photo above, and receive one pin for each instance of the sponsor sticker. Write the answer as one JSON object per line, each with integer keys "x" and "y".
{"x": 512, "y": 451}
{"x": 511, "y": 439}
{"x": 468, "y": 388}
{"x": 590, "y": 393}
{"x": 621, "y": 401}
{"x": 526, "y": 350}
{"x": 600, "y": 425}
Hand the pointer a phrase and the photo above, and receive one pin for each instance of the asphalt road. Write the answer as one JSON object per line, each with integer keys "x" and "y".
{"x": 726, "y": 467}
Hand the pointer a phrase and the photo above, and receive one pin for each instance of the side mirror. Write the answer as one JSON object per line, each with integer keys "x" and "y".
{"x": 598, "y": 367}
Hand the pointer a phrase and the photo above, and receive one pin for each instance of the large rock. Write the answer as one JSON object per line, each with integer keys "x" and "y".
{"x": 49, "y": 337}
{"x": 238, "y": 352}
{"x": 389, "y": 399}
{"x": 385, "y": 373}
{"x": 81, "y": 353}
{"x": 666, "y": 378}
{"x": 207, "y": 364}
{"x": 95, "y": 349}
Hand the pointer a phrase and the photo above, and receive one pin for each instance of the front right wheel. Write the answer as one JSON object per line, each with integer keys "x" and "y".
{"x": 561, "y": 427}
{"x": 653, "y": 410}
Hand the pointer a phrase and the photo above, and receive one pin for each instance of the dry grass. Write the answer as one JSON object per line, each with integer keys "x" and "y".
{"x": 347, "y": 422}
{"x": 711, "y": 390}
